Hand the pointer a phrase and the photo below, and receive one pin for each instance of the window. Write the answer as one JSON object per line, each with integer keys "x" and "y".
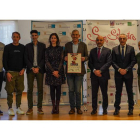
{"x": 6, "y": 29}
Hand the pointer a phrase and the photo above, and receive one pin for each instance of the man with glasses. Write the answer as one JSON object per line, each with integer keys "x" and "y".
{"x": 123, "y": 61}
{"x": 99, "y": 62}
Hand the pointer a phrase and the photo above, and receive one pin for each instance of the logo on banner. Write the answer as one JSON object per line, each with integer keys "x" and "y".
{"x": 62, "y": 33}
{"x": 114, "y": 35}
{"x": 90, "y": 23}
{"x": 121, "y": 23}
{"x": 64, "y": 63}
{"x": 63, "y": 26}
{"x": 89, "y": 87}
{"x": 129, "y": 23}
{"x": 112, "y": 23}
{"x": 98, "y": 23}
{"x": 123, "y": 94}
{"x": 111, "y": 94}
{"x": 88, "y": 95}
{"x": 100, "y": 102}
{"x": 64, "y": 93}
{"x": 89, "y": 44}
{"x": 51, "y": 25}
{"x": 88, "y": 70}
{"x": 77, "y": 26}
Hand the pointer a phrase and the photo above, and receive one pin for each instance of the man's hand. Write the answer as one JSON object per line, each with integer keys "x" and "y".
{"x": 66, "y": 58}
{"x": 82, "y": 58}
{"x": 9, "y": 77}
{"x": 98, "y": 73}
{"x": 123, "y": 71}
{"x": 21, "y": 72}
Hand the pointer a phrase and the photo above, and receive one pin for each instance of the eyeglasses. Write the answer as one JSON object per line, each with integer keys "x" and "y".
{"x": 99, "y": 40}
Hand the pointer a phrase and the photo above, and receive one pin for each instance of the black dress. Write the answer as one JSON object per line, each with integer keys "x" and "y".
{"x": 54, "y": 59}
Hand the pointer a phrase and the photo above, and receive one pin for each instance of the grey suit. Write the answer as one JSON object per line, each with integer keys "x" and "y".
{"x": 127, "y": 63}
{"x": 75, "y": 80}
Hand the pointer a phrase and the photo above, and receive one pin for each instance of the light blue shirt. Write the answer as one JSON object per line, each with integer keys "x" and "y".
{"x": 75, "y": 47}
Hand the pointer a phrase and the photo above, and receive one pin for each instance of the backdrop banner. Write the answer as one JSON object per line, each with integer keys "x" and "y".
{"x": 111, "y": 30}
{"x": 63, "y": 29}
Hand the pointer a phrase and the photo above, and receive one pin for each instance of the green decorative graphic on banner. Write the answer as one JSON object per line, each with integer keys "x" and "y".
{"x": 100, "y": 102}
{"x": 88, "y": 70}
{"x": 129, "y": 23}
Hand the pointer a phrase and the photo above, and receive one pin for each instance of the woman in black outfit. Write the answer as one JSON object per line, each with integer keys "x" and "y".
{"x": 55, "y": 77}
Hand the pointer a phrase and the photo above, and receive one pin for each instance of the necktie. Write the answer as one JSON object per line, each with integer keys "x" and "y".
{"x": 99, "y": 53}
{"x": 122, "y": 52}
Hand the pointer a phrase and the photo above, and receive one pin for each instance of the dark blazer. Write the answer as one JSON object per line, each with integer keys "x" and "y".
{"x": 103, "y": 63}
{"x": 29, "y": 56}
{"x": 127, "y": 63}
{"x": 82, "y": 48}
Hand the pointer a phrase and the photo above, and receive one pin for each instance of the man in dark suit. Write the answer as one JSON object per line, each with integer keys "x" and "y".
{"x": 99, "y": 63}
{"x": 75, "y": 80}
{"x": 35, "y": 61}
{"x": 123, "y": 60}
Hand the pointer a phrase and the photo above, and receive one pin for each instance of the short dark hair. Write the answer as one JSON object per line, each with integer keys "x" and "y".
{"x": 57, "y": 42}
{"x": 16, "y": 33}
{"x": 33, "y": 31}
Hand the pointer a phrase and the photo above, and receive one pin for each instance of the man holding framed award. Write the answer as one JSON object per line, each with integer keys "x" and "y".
{"x": 75, "y": 55}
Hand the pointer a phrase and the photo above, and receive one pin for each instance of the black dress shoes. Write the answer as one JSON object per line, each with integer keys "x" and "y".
{"x": 116, "y": 112}
{"x": 130, "y": 112}
{"x": 93, "y": 112}
{"x": 104, "y": 111}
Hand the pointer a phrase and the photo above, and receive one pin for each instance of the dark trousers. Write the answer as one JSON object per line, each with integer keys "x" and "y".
{"x": 103, "y": 83}
{"x": 56, "y": 94}
{"x": 1, "y": 80}
{"x": 119, "y": 86}
{"x": 30, "y": 80}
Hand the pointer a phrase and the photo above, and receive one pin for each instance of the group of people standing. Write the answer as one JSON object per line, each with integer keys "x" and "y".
{"x": 37, "y": 60}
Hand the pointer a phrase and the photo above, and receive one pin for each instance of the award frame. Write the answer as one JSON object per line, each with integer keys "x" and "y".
{"x": 74, "y": 64}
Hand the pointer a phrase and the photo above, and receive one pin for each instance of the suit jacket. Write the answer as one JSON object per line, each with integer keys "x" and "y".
{"x": 29, "y": 56}
{"x": 127, "y": 63}
{"x": 102, "y": 64}
{"x": 82, "y": 48}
